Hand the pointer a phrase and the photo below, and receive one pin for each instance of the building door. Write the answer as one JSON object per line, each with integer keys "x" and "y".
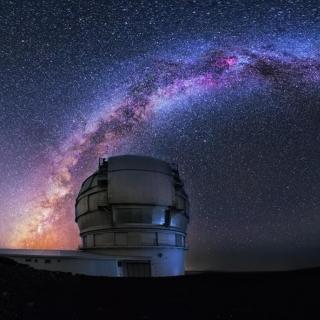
{"x": 136, "y": 268}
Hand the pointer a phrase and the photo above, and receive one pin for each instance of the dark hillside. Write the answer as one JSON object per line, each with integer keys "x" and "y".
{"x": 29, "y": 294}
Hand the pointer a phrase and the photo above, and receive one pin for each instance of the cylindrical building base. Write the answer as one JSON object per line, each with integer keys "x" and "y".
{"x": 162, "y": 262}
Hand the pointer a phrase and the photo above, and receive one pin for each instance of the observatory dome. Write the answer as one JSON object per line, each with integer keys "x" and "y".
{"x": 134, "y": 205}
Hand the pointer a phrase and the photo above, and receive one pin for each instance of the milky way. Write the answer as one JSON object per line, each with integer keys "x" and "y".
{"x": 50, "y": 216}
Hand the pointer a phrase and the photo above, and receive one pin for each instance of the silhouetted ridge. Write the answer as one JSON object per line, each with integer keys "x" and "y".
{"x": 34, "y": 294}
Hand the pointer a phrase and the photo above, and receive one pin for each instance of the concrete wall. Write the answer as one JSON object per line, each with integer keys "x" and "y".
{"x": 74, "y": 265}
{"x": 164, "y": 261}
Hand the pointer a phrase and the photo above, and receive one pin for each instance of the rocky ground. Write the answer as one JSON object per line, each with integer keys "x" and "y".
{"x": 30, "y": 294}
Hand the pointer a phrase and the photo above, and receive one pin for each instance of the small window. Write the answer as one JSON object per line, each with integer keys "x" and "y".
{"x": 47, "y": 261}
{"x": 58, "y": 260}
{"x": 84, "y": 241}
{"x": 28, "y": 260}
{"x": 35, "y": 260}
{"x": 179, "y": 240}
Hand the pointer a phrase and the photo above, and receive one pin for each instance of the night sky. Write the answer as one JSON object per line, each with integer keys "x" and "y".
{"x": 229, "y": 90}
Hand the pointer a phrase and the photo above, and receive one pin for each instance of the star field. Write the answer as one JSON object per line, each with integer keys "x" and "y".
{"x": 228, "y": 90}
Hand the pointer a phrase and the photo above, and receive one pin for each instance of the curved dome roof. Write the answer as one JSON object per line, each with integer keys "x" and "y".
{"x": 134, "y": 162}
{"x": 90, "y": 182}
{"x": 125, "y": 162}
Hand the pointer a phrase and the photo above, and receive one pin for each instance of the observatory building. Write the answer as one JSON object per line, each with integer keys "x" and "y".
{"x": 132, "y": 215}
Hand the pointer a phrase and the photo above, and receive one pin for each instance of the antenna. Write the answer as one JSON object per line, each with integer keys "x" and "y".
{"x": 101, "y": 161}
